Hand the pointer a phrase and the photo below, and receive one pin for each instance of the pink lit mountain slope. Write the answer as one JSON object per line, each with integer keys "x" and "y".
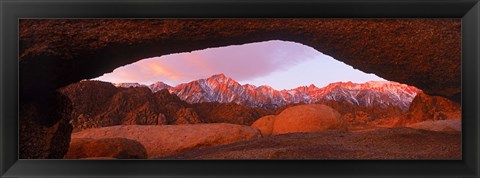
{"x": 220, "y": 88}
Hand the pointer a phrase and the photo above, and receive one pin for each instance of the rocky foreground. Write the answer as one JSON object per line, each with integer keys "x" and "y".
{"x": 134, "y": 123}
{"x": 312, "y": 131}
{"x": 158, "y": 140}
{"x": 379, "y": 144}
{"x": 382, "y": 144}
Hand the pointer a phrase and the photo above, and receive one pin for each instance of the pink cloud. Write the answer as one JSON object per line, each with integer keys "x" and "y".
{"x": 241, "y": 62}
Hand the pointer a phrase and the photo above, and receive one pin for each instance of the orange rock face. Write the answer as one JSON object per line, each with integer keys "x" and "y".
{"x": 120, "y": 148}
{"x": 169, "y": 139}
{"x": 265, "y": 124}
{"x": 425, "y": 107}
{"x": 187, "y": 116}
{"x": 307, "y": 118}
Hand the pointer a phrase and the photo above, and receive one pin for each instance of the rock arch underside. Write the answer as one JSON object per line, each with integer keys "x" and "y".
{"x": 425, "y": 53}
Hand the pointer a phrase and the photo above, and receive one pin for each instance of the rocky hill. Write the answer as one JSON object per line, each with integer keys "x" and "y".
{"x": 100, "y": 104}
{"x": 220, "y": 99}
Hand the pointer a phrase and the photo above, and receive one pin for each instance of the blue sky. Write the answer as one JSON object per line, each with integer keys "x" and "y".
{"x": 279, "y": 64}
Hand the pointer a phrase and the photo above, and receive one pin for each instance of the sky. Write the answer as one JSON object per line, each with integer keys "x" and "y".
{"x": 279, "y": 64}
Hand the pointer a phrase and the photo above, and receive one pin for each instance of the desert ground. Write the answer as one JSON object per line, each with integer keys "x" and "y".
{"x": 429, "y": 130}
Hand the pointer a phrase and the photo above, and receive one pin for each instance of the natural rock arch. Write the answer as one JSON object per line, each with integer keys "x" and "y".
{"x": 54, "y": 53}
{"x": 421, "y": 52}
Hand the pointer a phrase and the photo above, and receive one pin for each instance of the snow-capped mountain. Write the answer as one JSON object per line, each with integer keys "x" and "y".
{"x": 382, "y": 93}
{"x": 157, "y": 86}
{"x": 128, "y": 85}
{"x": 220, "y": 88}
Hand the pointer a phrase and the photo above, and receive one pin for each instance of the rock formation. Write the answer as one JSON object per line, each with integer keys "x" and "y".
{"x": 425, "y": 107}
{"x": 44, "y": 129}
{"x": 363, "y": 117}
{"x": 302, "y": 118}
{"x": 119, "y": 148}
{"x": 229, "y": 113}
{"x": 439, "y": 125}
{"x": 187, "y": 116}
{"x": 100, "y": 104}
{"x": 175, "y": 110}
{"x": 265, "y": 124}
{"x": 164, "y": 140}
{"x": 399, "y": 50}
{"x": 381, "y": 144}
{"x": 54, "y": 53}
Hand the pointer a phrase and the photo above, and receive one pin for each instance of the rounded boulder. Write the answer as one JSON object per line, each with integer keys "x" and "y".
{"x": 120, "y": 148}
{"x": 307, "y": 118}
{"x": 164, "y": 140}
{"x": 265, "y": 124}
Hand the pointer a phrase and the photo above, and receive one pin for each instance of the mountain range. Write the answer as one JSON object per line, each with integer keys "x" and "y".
{"x": 222, "y": 89}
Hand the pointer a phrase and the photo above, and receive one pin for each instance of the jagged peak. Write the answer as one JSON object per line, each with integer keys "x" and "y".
{"x": 337, "y": 84}
{"x": 249, "y": 86}
{"x": 133, "y": 83}
{"x": 366, "y": 85}
{"x": 265, "y": 87}
{"x": 219, "y": 76}
{"x": 223, "y": 87}
{"x": 383, "y": 84}
{"x": 380, "y": 82}
{"x": 128, "y": 84}
{"x": 160, "y": 83}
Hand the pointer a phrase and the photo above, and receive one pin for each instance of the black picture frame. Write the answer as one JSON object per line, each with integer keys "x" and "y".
{"x": 11, "y": 11}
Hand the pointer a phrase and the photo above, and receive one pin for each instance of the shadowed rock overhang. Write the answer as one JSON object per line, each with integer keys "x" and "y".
{"x": 425, "y": 53}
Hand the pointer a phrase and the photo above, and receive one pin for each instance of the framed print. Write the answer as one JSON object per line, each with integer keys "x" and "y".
{"x": 240, "y": 88}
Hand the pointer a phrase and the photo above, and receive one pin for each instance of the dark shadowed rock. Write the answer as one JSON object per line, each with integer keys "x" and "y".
{"x": 175, "y": 110}
{"x": 134, "y": 105}
{"x": 44, "y": 130}
{"x": 229, "y": 113}
{"x": 114, "y": 106}
{"x": 100, "y": 104}
{"x": 425, "y": 107}
{"x": 420, "y": 52}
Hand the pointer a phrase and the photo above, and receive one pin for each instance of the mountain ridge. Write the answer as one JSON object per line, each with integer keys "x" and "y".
{"x": 220, "y": 88}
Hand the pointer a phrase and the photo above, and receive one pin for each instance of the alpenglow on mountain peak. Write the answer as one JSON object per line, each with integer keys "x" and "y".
{"x": 220, "y": 75}
{"x": 220, "y": 88}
